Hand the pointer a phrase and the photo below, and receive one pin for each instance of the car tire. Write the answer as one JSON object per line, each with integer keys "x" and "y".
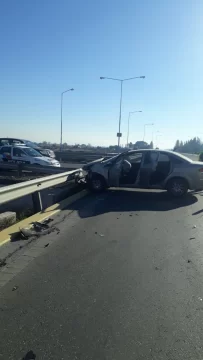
{"x": 97, "y": 184}
{"x": 177, "y": 187}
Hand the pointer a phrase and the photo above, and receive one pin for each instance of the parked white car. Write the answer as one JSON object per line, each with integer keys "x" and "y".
{"x": 26, "y": 155}
{"x": 14, "y": 141}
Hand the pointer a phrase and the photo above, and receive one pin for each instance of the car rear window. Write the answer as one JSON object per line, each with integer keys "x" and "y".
{"x": 163, "y": 158}
{"x": 176, "y": 160}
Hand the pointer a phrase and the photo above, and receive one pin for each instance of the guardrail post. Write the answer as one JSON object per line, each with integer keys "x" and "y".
{"x": 37, "y": 201}
{"x": 20, "y": 168}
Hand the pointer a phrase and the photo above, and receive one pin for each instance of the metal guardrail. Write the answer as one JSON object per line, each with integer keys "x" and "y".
{"x": 21, "y": 168}
{"x": 34, "y": 187}
{"x": 81, "y": 156}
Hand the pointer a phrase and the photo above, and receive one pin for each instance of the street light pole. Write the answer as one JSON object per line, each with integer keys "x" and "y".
{"x": 61, "y": 139}
{"x": 119, "y": 127}
{"x": 121, "y": 96}
{"x": 131, "y": 112}
{"x": 144, "y": 129}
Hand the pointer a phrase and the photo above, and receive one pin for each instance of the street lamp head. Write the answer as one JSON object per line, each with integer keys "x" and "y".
{"x": 101, "y": 77}
{"x": 142, "y": 77}
{"x": 71, "y": 89}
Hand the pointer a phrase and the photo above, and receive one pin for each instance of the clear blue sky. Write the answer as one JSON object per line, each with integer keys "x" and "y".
{"x": 48, "y": 46}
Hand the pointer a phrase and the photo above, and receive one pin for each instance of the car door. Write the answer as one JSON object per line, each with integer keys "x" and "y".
{"x": 163, "y": 169}
{"x": 115, "y": 172}
{"x": 129, "y": 178}
{"x": 19, "y": 156}
{"x": 148, "y": 167}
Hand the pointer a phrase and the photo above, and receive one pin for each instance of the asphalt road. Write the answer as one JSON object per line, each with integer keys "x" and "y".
{"x": 120, "y": 279}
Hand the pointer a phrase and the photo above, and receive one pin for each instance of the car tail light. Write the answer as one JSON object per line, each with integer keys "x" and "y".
{"x": 201, "y": 170}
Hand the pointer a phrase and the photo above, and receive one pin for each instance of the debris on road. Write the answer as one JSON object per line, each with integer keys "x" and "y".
{"x": 96, "y": 233}
{"x": 46, "y": 245}
{"x": 194, "y": 226}
{"x": 189, "y": 261}
{"x": 2, "y": 263}
{"x": 192, "y": 238}
{"x": 37, "y": 229}
{"x": 37, "y": 225}
{"x": 15, "y": 288}
{"x": 47, "y": 221}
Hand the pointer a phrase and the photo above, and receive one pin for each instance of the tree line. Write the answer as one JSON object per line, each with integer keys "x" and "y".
{"x": 194, "y": 145}
{"x": 110, "y": 148}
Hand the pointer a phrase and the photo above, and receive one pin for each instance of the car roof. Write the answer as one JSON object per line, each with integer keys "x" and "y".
{"x": 22, "y": 141}
{"x": 167, "y": 152}
{"x": 17, "y": 145}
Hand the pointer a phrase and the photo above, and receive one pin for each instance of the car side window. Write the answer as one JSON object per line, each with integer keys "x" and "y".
{"x": 176, "y": 160}
{"x": 5, "y": 149}
{"x": 134, "y": 158}
{"x": 4, "y": 142}
{"x": 18, "y": 152}
{"x": 151, "y": 157}
{"x": 163, "y": 158}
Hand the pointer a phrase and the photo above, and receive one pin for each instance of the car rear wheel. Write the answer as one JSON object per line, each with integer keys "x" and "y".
{"x": 97, "y": 184}
{"x": 177, "y": 187}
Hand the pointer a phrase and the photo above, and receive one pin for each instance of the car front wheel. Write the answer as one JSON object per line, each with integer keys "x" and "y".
{"x": 97, "y": 184}
{"x": 177, "y": 187}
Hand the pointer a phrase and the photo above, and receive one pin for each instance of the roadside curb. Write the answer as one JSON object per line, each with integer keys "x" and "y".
{"x": 8, "y": 234}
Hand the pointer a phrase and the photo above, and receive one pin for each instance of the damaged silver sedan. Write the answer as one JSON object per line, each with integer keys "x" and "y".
{"x": 146, "y": 169}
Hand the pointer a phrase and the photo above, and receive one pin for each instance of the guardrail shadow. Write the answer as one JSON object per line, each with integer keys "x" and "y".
{"x": 121, "y": 200}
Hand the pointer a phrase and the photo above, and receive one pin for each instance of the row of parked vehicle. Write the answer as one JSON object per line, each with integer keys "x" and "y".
{"x": 26, "y": 152}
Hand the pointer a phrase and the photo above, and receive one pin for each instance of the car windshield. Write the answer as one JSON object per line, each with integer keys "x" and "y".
{"x": 32, "y": 152}
{"x": 30, "y": 143}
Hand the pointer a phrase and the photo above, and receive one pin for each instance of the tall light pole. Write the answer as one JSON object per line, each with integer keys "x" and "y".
{"x": 61, "y": 140}
{"x": 121, "y": 95}
{"x": 145, "y": 130}
{"x": 131, "y": 112}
